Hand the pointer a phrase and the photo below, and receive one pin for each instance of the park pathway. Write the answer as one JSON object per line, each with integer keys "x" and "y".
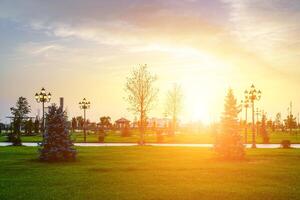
{"x": 261, "y": 146}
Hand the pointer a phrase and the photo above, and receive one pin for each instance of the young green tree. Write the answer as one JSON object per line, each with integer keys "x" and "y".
{"x": 263, "y": 129}
{"x": 228, "y": 144}
{"x": 278, "y": 121}
{"x": 19, "y": 113}
{"x": 36, "y": 125}
{"x": 29, "y": 127}
{"x": 105, "y": 122}
{"x": 57, "y": 144}
{"x": 174, "y": 105}
{"x": 141, "y": 95}
{"x": 74, "y": 124}
{"x": 80, "y": 122}
{"x": 290, "y": 122}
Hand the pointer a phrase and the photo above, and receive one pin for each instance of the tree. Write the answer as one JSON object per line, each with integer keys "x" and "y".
{"x": 105, "y": 122}
{"x": 29, "y": 127}
{"x": 80, "y": 122}
{"x": 74, "y": 124}
{"x": 36, "y": 125}
{"x": 228, "y": 143}
{"x": 19, "y": 114}
{"x": 278, "y": 120}
{"x": 141, "y": 95}
{"x": 263, "y": 129}
{"x": 57, "y": 144}
{"x": 2, "y": 127}
{"x": 174, "y": 105}
{"x": 290, "y": 122}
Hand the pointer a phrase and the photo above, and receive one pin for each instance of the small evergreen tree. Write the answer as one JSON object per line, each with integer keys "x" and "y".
{"x": 57, "y": 145}
{"x": 19, "y": 113}
{"x": 263, "y": 130}
{"x": 228, "y": 143}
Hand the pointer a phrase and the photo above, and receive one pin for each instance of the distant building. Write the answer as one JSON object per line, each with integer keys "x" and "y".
{"x": 122, "y": 123}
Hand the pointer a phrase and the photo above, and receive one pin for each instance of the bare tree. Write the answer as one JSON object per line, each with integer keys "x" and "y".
{"x": 141, "y": 94}
{"x": 174, "y": 105}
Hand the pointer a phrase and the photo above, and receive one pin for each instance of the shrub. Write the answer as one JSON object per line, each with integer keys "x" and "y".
{"x": 285, "y": 144}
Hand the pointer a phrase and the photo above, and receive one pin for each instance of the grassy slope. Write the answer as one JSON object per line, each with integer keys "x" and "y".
{"x": 150, "y": 173}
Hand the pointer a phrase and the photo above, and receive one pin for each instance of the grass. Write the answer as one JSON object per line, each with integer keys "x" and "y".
{"x": 203, "y": 137}
{"x": 150, "y": 173}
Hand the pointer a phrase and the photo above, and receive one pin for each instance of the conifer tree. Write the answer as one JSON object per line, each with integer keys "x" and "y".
{"x": 228, "y": 143}
{"x": 57, "y": 144}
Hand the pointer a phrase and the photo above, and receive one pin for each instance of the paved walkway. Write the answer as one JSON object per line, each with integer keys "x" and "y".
{"x": 262, "y": 146}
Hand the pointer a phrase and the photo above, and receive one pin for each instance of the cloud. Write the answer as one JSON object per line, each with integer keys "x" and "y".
{"x": 269, "y": 28}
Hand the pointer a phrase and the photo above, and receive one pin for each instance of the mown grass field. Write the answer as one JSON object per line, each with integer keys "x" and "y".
{"x": 150, "y": 173}
{"x": 200, "y": 138}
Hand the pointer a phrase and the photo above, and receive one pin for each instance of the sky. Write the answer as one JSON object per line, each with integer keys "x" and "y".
{"x": 78, "y": 49}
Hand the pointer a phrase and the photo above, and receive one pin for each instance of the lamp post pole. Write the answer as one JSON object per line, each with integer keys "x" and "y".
{"x": 253, "y": 95}
{"x": 84, "y": 104}
{"x": 43, "y": 98}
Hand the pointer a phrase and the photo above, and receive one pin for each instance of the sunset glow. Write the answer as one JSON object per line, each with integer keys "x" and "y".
{"x": 90, "y": 49}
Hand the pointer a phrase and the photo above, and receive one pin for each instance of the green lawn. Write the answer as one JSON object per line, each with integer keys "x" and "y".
{"x": 150, "y": 173}
{"x": 114, "y": 136}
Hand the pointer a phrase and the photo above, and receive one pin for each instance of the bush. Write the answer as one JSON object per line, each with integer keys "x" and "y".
{"x": 285, "y": 144}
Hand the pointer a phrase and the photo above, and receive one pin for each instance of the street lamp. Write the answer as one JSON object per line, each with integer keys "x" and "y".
{"x": 43, "y": 98}
{"x": 84, "y": 104}
{"x": 245, "y": 104}
{"x": 253, "y": 95}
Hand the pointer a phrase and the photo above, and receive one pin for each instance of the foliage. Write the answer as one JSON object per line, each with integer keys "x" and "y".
{"x": 80, "y": 122}
{"x": 105, "y": 122}
{"x": 29, "y": 127}
{"x": 74, "y": 124}
{"x": 263, "y": 130}
{"x": 56, "y": 145}
{"x": 36, "y": 125}
{"x": 228, "y": 143}
{"x": 290, "y": 122}
{"x": 141, "y": 94}
{"x": 19, "y": 113}
{"x": 285, "y": 144}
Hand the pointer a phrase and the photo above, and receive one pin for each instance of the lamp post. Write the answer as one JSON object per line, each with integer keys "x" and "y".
{"x": 43, "y": 98}
{"x": 253, "y": 95}
{"x": 245, "y": 104}
{"x": 84, "y": 104}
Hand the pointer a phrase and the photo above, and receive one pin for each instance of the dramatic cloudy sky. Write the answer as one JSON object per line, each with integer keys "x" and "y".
{"x": 87, "y": 48}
